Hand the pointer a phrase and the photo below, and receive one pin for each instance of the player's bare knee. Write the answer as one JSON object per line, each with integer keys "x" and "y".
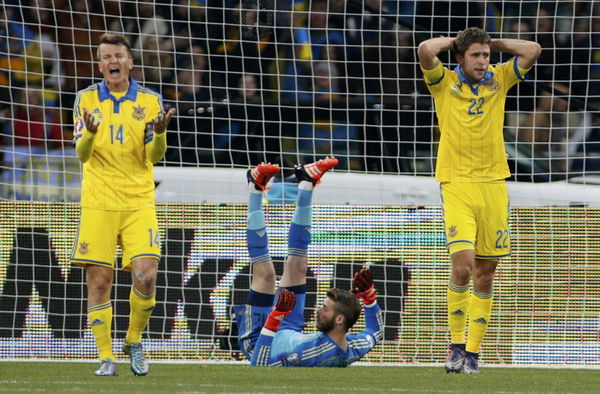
{"x": 99, "y": 288}
{"x": 268, "y": 276}
{"x": 483, "y": 281}
{"x": 264, "y": 272}
{"x": 461, "y": 275}
{"x": 298, "y": 270}
{"x": 98, "y": 283}
{"x": 144, "y": 279}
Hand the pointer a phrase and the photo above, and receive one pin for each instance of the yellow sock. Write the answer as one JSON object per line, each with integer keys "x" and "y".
{"x": 458, "y": 305}
{"x": 100, "y": 320}
{"x": 140, "y": 309}
{"x": 479, "y": 318}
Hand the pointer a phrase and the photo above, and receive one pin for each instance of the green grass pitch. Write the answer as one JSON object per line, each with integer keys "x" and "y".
{"x": 198, "y": 378}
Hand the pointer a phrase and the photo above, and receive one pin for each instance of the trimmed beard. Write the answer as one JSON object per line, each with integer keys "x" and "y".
{"x": 326, "y": 326}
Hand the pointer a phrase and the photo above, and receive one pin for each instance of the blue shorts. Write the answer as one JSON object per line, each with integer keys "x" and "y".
{"x": 250, "y": 320}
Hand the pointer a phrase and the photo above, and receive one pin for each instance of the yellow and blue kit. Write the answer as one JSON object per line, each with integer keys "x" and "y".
{"x": 471, "y": 121}
{"x": 117, "y": 197}
{"x": 118, "y": 175}
{"x": 471, "y": 161}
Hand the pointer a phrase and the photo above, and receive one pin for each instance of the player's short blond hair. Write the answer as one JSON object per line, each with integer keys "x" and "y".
{"x": 114, "y": 39}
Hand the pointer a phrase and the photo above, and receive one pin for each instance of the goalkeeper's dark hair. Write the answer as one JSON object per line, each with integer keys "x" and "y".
{"x": 468, "y": 37}
{"x": 346, "y": 305}
{"x": 114, "y": 39}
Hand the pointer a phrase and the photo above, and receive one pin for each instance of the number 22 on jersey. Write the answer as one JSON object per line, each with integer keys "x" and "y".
{"x": 476, "y": 106}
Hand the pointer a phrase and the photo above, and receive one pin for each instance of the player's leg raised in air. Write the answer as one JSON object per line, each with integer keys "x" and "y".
{"x": 251, "y": 316}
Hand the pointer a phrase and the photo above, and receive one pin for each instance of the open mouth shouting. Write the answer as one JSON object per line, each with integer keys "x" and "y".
{"x": 114, "y": 71}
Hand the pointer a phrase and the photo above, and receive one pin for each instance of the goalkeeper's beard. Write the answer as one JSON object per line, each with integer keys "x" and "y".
{"x": 325, "y": 325}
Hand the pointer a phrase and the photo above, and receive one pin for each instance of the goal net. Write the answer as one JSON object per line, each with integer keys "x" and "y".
{"x": 291, "y": 81}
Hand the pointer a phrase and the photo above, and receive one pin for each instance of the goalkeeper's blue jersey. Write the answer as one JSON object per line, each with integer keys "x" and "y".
{"x": 290, "y": 348}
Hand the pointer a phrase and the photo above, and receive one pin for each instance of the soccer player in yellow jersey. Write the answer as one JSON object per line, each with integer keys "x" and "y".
{"x": 472, "y": 166}
{"x": 120, "y": 133}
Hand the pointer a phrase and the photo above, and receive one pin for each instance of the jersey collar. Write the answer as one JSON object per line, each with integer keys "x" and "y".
{"x": 488, "y": 75}
{"x": 104, "y": 93}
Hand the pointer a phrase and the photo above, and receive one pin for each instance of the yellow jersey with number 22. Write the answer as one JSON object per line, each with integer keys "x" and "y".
{"x": 471, "y": 122}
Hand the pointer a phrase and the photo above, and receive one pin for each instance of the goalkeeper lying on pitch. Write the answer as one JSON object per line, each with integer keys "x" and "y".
{"x": 272, "y": 335}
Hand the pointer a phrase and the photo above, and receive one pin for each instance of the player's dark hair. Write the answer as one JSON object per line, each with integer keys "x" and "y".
{"x": 346, "y": 305}
{"x": 114, "y": 39}
{"x": 472, "y": 35}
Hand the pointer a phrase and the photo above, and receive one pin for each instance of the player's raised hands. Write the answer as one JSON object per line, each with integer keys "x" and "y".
{"x": 363, "y": 286}
{"x": 90, "y": 121}
{"x": 285, "y": 304}
{"x": 162, "y": 121}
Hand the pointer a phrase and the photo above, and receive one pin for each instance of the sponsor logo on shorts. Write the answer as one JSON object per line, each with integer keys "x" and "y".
{"x": 480, "y": 320}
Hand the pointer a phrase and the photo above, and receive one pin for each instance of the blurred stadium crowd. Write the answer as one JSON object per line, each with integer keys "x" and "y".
{"x": 276, "y": 57}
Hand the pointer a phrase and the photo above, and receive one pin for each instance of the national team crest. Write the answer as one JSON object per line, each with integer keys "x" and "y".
{"x": 83, "y": 248}
{"x": 452, "y": 232}
{"x": 139, "y": 113}
{"x": 492, "y": 84}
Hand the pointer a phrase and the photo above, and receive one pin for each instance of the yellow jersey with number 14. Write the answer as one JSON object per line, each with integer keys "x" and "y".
{"x": 118, "y": 175}
{"x": 471, "y": 122}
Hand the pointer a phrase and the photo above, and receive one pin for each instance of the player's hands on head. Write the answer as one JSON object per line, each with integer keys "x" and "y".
{"x": 363, "y": 286}
{"x": 285, "y": 304}
{"x": 162, "y": 121}
{"x": 90, "y": 121}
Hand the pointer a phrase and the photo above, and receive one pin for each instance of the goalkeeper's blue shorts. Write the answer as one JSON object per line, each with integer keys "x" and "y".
{"x": 250, "y": 320}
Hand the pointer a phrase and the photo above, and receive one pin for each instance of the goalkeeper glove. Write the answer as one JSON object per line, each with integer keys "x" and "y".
{"x": 284, "y": 306}
{"x": 363, "y": 286}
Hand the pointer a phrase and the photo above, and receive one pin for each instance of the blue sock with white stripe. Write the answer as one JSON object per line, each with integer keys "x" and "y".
{"x": 299, "y": 234}
{"x": 256, "y": 234}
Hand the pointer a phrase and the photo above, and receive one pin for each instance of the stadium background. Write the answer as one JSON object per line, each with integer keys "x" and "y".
{"x": 329, "y": 79}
